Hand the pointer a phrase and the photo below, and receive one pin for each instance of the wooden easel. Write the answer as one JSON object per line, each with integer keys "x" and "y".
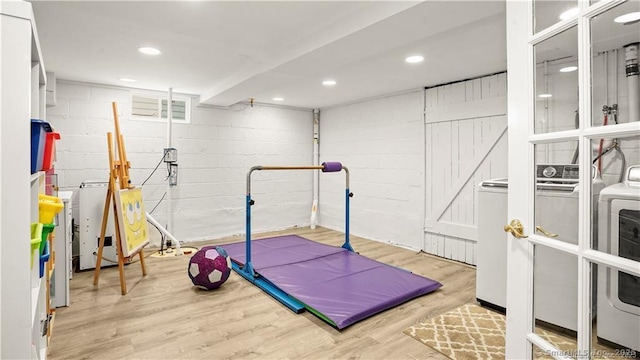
{"x": 118, "y": 174}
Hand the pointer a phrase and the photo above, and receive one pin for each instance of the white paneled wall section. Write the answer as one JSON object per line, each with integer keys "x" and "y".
{"x": 215, "y": 151}
{"x": 465, "y": 143}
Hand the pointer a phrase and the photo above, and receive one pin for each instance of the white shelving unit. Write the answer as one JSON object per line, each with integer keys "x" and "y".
{"x": 63, "y": 265}
{"x": 22, "y": 97}
{"x": 38, "y": 284}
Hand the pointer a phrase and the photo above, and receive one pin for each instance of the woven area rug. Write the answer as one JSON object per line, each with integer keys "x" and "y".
{"x": 468, "y": 332}
{"x": 472, "y": 332}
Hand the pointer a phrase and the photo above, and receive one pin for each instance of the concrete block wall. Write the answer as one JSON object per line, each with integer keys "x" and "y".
{"x": 215, "y": 152}
{"x": 612, "y": 163}
{"x": 382, "y": 143}
{"x": 558, "y": 112}
{"x": 405, "y": 152}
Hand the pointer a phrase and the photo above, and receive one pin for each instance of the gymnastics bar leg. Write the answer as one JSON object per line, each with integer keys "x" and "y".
{"x": 286, "y": 300}
{"x": 347, "y": 197}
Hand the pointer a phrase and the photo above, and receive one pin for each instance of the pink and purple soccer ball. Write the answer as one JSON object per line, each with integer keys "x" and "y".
{"x": 209, "y": 267}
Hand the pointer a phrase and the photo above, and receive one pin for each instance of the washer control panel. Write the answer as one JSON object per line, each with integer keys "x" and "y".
{"x": 557, "y": 172}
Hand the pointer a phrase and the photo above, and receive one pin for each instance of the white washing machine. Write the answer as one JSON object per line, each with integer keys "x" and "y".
{"x": 555, "y": 274}
{"x": 618, "y": 319}
{"x": 491, "y": 249}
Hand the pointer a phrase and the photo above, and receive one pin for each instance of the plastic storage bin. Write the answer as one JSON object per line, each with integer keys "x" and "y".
{"x": 36, "y": 239}
{"x": 44, "y": 258}
{"x": 39, "y": 129}
{"x": 49, "y": 206}
{"x": 50, "y": 150}
{"x": 46, "y": 230}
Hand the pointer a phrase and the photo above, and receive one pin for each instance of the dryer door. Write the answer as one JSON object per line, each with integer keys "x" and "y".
{"x": 624, "y": 292}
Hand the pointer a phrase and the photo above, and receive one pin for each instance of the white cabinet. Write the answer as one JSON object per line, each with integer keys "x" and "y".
{"x": 22, "y": 304}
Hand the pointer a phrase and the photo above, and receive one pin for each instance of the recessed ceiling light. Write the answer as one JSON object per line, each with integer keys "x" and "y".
{"x": 329, "y": 82}
{"x": 569, "y": 13}
{"x": 278, "y": 99}
{"x": 569, "y": 69}
{"x": 414, "y": 59}
{"x": 149, "y": 51}
{"x": 628, "y": 18}
{"x": 127, "y": 80}
{"x": 545, "y": 95}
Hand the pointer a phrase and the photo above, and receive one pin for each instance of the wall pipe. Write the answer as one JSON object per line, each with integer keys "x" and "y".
{"x": 633, "y": 73}
{"x": 316, "y": 159}
{"x": 605, "y": 122}
{"x": 169, "y": 136}
{"x": 169, "y": 116}
{"x": 605, "y": 111}
{"x": 546, "y": 106}
{"x": 546, "y": 100}
{"x": 165, "y": 232}
{"x": 576, "y": 152}
{"x": 606, "y": 78}
{"x": 615, "y": 78}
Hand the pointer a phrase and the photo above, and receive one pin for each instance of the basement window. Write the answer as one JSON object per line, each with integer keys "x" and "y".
{"x": 154, "y": 108}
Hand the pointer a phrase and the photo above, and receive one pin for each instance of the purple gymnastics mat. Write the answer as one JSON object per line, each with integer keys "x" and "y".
{"x": 340, "y": 285}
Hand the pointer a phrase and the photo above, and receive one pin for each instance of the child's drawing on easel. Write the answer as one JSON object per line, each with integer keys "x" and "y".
{"x": 133, "y": 221}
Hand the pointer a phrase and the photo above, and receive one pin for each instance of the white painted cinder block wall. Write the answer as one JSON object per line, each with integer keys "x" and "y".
{"x": 215, "y": 152}
{"x": 382, "y": 143}
{"x": 398, "y": 175}
{"x": 558, "y": 112}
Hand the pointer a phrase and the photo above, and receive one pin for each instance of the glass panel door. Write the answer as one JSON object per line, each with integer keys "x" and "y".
{"x": 574, "y": 179}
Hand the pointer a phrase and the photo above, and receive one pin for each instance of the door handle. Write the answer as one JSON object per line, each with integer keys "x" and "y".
{"x": 545, "y": 233}
{"x": 516, "y": 229}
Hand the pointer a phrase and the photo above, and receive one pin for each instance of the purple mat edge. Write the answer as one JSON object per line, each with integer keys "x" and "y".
{"x": 409, "y": 279}
{"x": 341, "y": 321}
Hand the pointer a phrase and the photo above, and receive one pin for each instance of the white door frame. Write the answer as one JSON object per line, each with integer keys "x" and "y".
{"x": 522, "y": 141}
{"x": 519, "y": 60}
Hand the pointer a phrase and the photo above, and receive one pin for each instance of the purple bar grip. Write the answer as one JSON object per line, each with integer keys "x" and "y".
{"x": 331, "y": 166}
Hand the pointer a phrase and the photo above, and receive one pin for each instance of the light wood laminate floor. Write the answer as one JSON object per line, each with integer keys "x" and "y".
{"x": 165, "y": 317}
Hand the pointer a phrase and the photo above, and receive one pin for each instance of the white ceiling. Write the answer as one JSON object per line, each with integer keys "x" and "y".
{"x": 228, "y": 52}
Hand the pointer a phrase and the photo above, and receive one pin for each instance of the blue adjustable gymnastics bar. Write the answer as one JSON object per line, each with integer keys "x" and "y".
{"x": 247, "y": 271}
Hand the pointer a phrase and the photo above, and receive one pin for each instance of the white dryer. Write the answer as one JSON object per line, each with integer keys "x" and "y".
{"x": 618, "y": 314}
{"x": 555, "y": 273}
